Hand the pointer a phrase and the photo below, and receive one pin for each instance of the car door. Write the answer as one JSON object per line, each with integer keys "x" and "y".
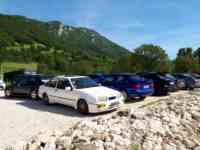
{"x": 21, "y": 86}
{"x": 108, "y": 82}
{"x": 50, "y": 89}
{"x": 64, "y": 93}
{"x": 121, "y": 83}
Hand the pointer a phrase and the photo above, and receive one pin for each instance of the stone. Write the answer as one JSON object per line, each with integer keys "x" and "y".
{"x": 122, "y": 113}
{"x": 50, "y": 145}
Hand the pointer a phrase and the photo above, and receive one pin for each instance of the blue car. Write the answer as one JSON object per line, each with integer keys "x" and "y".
{"x": 97, "y": 77}
{"x": 131, "y": 86}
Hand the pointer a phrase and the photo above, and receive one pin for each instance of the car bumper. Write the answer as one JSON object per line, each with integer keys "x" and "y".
{"x": 140, "y": 93}
{"x": 172, "y": 89}
{"x": 106, "y": 106}
{"x": 197, "y": 85}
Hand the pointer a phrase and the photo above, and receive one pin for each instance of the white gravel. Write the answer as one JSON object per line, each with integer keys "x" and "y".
{"x": 23, "y": 118}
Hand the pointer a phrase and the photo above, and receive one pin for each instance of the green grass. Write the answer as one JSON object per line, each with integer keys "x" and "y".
{"x": 12, "y": 66}
{"x": 135, "y": 147}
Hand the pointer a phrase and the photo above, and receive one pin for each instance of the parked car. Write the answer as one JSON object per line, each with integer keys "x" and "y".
{"x": 162, "y": 85}
{"x": 97, "y": 77}
{"x": 46, "y": 78}
{"x": 25, "y": 84}
{"x": 82, "y": 93}
{"x": 2, "y": 85}
{"x": 197, "y": 79}
{"x": 130, "y": 85}
{"x": 188, "y": 79}
{"x": 180, "y": 84}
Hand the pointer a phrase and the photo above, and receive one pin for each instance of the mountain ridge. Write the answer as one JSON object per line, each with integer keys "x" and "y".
{"x": 56, "y": 46}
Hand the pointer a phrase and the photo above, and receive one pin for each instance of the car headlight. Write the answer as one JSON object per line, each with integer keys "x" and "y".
{"x": 119, "y": 95}
{"x": 102, "y": 98}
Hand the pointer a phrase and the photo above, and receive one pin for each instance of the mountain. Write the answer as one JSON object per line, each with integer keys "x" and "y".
{"x": 25, "y": 40}
{"x": 18, "y": 29}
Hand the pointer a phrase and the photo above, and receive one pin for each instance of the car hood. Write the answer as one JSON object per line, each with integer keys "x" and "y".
{"x": 100, "y": 91}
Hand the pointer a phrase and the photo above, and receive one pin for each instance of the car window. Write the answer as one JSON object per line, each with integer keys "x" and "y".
{"x": 108, "y": 79}
{"x": 23, "y": 82}
{"x": 34, "y": 81}
{"x": 135, "y": 77}
{"x": 84, "y": 82}
{"x": 67, "y": 83}
{"x": 51, "y": 83}
{"x": 61, "y": 84}
{"x": 120, "y": 78}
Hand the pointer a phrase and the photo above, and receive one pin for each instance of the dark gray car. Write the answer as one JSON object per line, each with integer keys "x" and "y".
{"x": 26, "y": 85}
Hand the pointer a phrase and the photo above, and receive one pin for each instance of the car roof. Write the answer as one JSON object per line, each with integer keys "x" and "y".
{"x": 70, "y": 77}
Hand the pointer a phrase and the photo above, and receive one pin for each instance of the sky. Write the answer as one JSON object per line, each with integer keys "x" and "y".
{"x": 172, "y": 24}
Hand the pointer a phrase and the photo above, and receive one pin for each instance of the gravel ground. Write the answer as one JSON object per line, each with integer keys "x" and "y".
{"x": 23, "y": 118}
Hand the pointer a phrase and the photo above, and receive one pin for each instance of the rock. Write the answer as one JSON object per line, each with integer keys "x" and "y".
{"x": 64, "y": 141}
{"x": 35, "y": 146}
{"x": 50, "y": 145}
{"x": 171, "y": 124}
{"x": 84, "y": 147}
{"x": 189, "y": 143}
{"x": 109, "y": 145}
{"x": 22, "y": 145}
{"x": 123, "y": 113}
{"x": 195, "y": 115}
{"x": 138, "y": 113}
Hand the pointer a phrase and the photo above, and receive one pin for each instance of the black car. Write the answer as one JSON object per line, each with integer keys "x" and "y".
{"x": 25, "y": 84}
{"x": 197, "y": 79}
{"x": 162, "y": 85}
{"x": 180, "y": 84}
{"x": 188, "y": 79}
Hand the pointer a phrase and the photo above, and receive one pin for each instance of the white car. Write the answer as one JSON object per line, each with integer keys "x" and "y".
{"x": 2, "y": 85}
{"x": 82, "y": 93}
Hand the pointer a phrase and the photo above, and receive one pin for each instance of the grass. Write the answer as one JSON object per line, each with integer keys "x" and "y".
{"x": 135, "y": 147}
{"x": 12, "y": 66}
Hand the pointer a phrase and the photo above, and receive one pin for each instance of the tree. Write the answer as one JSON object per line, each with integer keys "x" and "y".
{"x": 197, "y": 54}
{"x": 151, "y": 58}
{"x": 186, "y": 61}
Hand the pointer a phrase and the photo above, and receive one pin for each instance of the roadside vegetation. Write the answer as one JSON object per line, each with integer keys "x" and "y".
{"x": 32, "y": 44}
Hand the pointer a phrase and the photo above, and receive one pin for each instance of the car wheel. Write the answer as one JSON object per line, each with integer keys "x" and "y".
{"x": 142, "y": 98}
{"x": 46, "y": 99}
{"x": 191, "y": 89}
{"x": 8, "y": 93}
{"x": 83, "y": 107}
{"x": 125, "y": 95}
{"x": 33, "y": 95}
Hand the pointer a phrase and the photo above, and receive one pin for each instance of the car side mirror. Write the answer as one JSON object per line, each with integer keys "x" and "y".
{"x": 68, "y": 88}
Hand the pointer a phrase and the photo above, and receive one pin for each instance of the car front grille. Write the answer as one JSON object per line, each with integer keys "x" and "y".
{"x": 112, "y": 98}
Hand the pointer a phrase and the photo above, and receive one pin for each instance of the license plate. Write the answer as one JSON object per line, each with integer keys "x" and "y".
{"x": 146, "y": 86}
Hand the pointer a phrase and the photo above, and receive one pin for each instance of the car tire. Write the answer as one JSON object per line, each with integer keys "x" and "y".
{"x": 8, "y": 93}
{"x": 82, "y": 107}
{"x": 125, "y": 95}
{"x": 33, "y": 95}
{"x": 142, "y": 98}
{"x": 46, "y": 99}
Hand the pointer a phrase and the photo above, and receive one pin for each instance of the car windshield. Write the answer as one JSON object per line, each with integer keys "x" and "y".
{"x": 84, "y": 82}
{"x": 135, "y": 77}
{"x": 170, "y": 76}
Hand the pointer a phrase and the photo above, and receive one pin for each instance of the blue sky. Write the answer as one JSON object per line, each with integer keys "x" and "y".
{"x": 172, "y": 24}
